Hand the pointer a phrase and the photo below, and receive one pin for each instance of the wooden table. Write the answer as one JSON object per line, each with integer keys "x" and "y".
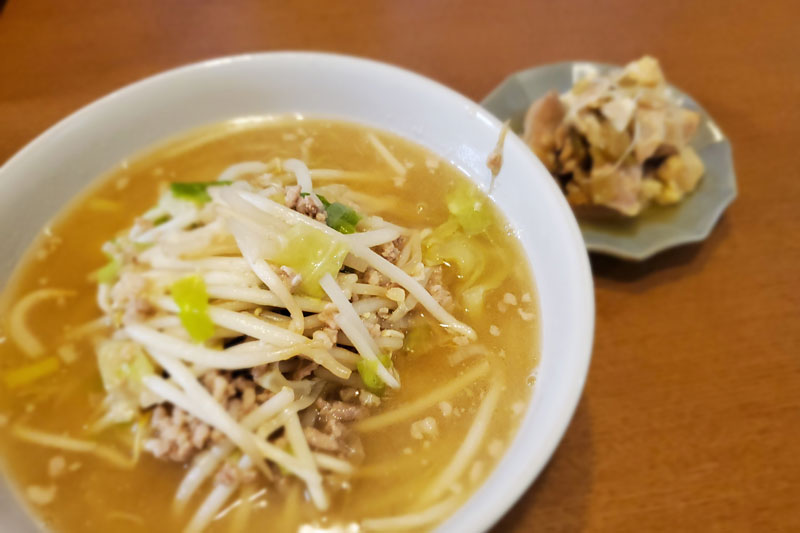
{"x": 691, "y": 416}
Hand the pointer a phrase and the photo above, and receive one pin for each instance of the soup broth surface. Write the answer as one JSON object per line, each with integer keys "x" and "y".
{"x": 92, "y": 495}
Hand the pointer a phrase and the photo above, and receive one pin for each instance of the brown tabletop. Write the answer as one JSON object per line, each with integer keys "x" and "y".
{"x": 691, "y": 416}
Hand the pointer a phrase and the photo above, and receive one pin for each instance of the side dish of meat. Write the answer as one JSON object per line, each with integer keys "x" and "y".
{"x": 618, "y": 141}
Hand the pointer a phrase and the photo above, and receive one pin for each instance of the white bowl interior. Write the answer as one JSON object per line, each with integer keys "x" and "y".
{"x": 47, "y": 173}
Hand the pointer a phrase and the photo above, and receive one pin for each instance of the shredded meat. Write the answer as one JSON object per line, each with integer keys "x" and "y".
{"x": 618, "y": 188}
{"x": 617, "y": 142}
{"x": 541, "y": 122}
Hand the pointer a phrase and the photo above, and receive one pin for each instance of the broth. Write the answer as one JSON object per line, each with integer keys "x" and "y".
{"x": 92, "y": 495}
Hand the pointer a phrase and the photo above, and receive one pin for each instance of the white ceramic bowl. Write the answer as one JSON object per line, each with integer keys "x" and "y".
{"x": 40, "y": 179}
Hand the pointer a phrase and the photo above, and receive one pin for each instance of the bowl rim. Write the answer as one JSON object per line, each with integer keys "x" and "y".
{"x": 483, "y": 513}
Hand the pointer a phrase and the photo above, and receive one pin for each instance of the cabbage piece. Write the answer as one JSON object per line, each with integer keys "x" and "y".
{"x": 464, "y": 254}
{"x": 385, "y": 359}
{"x": 123, "y": 365}
{"x": 439, "y": 235}
{"x": 448, "y": 244}
{"x": 473, "y": 299}
{"x": 312, "y": 254}
{"x": 478, "y": 267}
{"x": 109, "y": 272}
{"x": 466, "y": 203}
{"x": 419, "y": 338}
{"x": 196, "y": 192}
{"x": 115, "y": 250}
{"x": 191, "y": 297}
{"x": 474, "y": 296}
{"x": 430, "y": 244}
{"x": 278, "y": 198}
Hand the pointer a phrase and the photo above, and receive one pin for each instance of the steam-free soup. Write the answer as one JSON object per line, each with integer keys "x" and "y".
{"x": 297, "y": 325}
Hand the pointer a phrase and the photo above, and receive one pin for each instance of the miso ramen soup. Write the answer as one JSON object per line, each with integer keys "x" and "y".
{"x": 266, "y": 324}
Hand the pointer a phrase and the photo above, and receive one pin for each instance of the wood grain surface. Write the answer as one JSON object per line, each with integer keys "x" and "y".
{"x": 691, "y": 416}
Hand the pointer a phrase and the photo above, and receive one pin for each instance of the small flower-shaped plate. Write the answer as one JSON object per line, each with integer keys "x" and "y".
{"x": 657, "y": 227}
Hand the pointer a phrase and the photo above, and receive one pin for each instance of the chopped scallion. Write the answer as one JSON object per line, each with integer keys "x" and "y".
{"x": 340, "y": 217}
{"x": 160, "y": 220}
{"x": 196, "y": 192}
{"x": 369, "y": 375}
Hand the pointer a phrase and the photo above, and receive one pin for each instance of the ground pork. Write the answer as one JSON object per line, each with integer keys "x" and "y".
{"x": 321, "y": 441}
{"x": 308, "y": 205}
{"x": 348, "y": 394}
{"x": 177, "y": 436}
{"x": 326, "y": 336}
{"x": 289, "y": 277}
{"x": 228, "y": 475}
{"x": 138, "y": 309}
{"x": 173, "y": 435}
{"x": 292, "y": 196}
{"x": 345, "y": 412}
{"x": 328, "y": 316}
{"x": 126, "y": 297}
{"x": 438, "y": 289}
{"x": 373, "y": 277}
{"x": 330, "y": 431}
{"x": 391, "y": 250}
{"x": 304, "y": 370}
